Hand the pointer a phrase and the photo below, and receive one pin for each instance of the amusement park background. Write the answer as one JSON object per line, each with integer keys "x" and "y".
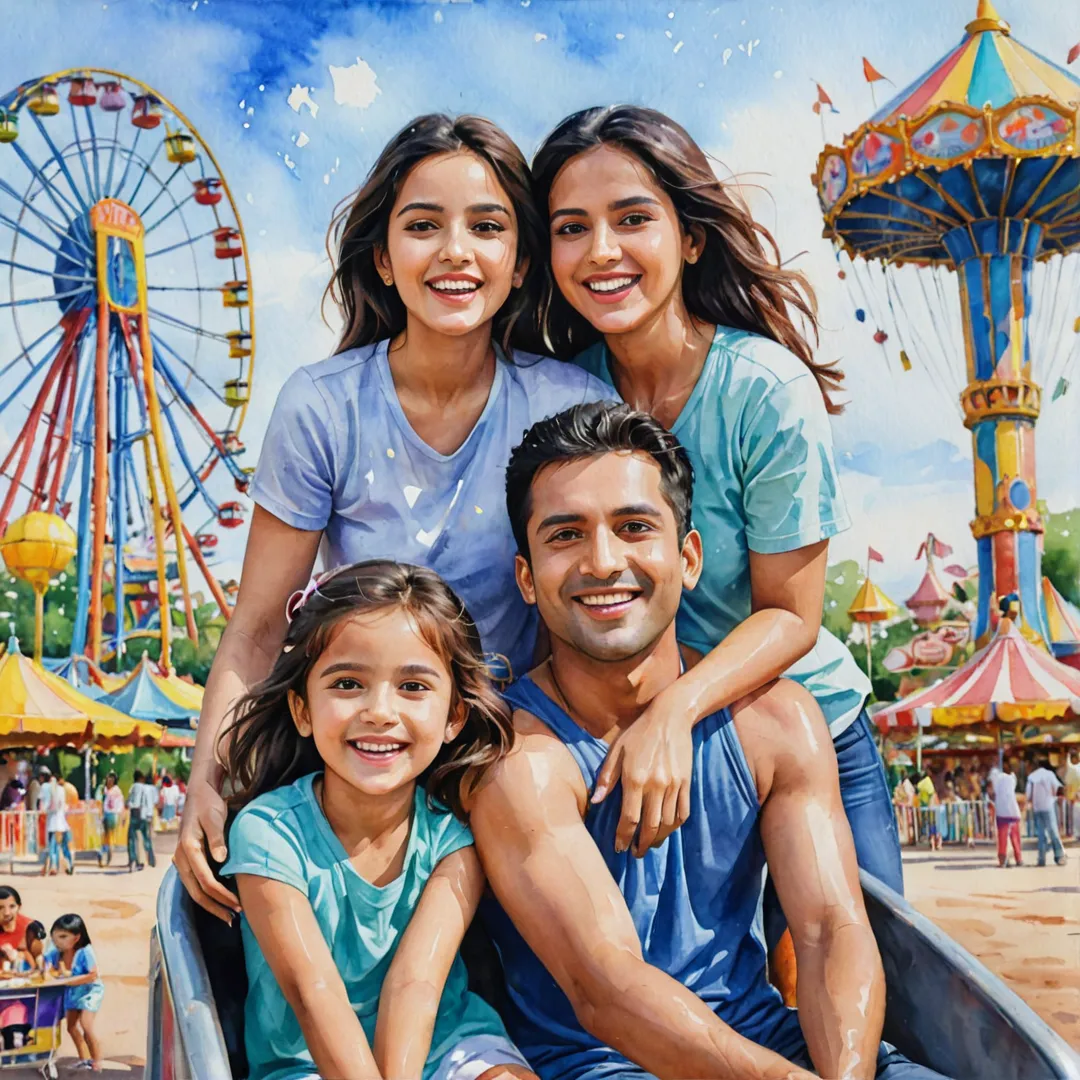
{"x": 242, "y": 125}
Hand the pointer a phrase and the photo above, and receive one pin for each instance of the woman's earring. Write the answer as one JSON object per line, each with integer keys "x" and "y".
{"x": 388, "y": 278}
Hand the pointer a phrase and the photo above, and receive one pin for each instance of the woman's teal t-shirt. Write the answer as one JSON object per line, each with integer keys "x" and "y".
{"x": 284, "y": 835}
{"x": 757, "y": 433}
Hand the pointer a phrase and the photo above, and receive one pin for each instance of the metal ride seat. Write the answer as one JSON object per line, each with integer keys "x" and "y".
{"x": 943, "y": 1008}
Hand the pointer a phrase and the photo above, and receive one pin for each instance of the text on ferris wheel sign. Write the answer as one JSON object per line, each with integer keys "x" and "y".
{"x": 113, "y": 216}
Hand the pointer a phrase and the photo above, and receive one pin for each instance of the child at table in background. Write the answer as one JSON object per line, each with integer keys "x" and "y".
{"x": 72, "y": 954}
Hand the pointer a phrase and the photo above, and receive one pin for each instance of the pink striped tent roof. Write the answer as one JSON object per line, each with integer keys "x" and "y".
{"x": 930, "y": 591}
{"x": 1009, "y": 680}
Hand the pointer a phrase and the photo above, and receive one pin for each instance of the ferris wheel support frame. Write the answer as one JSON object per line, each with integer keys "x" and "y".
{"x": 112, "y": 218}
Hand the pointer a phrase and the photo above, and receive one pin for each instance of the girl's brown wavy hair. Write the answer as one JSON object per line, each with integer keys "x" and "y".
{"x": 737, "y": 282}
{"x": 261, "y": 747}
{"x": 372, "y": 310}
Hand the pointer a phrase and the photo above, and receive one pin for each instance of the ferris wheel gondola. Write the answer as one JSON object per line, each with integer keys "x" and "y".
{"x": 133, "y": 344}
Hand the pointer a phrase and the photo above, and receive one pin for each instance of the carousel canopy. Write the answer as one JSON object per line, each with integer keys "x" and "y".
{"x": 1009, "y": 680}
{"x": 150, "y": 695}
{"x": 989, "y": 131}
{"x": 40, "y": 707}
{"x": 988, "y": 67}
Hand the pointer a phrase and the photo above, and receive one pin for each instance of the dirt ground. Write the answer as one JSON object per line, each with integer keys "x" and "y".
{"x": 118, "y": 907}
{"x": 1023, "y": 923}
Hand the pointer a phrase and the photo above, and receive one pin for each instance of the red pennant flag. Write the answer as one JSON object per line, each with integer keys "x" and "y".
{"x": 1074, "y": 52}
{"x": 824, "y": 99}
{"x": 875, "y": 556}
{"x": 957, "y": 570}
{"x": 870, "y": 73}
{"x": 941, "y": 550}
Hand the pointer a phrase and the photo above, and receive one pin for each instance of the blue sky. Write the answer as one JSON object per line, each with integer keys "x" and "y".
{"x": 739, "y": 74}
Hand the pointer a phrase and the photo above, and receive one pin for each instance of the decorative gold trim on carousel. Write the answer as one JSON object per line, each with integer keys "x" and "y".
{"x": 1006, "y": 517}
{"x": 987, "y": 399}
{"x": 906, "y": 159}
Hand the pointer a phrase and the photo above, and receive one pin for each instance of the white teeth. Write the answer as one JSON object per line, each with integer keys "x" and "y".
{"x": 454, "y": 286}
{"x": 605, "y": 599}
{"x": 610, "y": 285}
{"x": 378, "y": 748}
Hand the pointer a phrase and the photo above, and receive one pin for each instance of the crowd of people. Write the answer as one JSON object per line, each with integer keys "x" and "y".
{"x": 152, "y": 802}
{"x": 1009, "y": 790}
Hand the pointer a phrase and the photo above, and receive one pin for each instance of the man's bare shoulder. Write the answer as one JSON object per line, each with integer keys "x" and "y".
{"x": 784, "y": 735}
{"x": 539, "y": 766}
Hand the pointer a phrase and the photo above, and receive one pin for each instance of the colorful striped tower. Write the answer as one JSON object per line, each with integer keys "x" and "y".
{"x": 993, "y": 259}
{"x": 975, "y": 166}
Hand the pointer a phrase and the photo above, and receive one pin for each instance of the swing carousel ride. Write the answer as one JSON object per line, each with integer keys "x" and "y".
{"x": 126, "y": 304}
{"x": 961, "y": 197}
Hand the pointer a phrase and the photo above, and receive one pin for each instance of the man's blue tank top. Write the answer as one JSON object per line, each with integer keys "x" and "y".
{"x": 695, "y": 901}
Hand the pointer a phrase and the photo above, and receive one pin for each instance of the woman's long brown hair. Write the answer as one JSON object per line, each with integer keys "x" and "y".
{"x": 263, "y": 749}
{"x": 372, "y": 310}
{"x": 737, "y": 282}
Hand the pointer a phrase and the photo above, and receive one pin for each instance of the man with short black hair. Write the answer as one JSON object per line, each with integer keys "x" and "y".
{"x": 651, "y": 963}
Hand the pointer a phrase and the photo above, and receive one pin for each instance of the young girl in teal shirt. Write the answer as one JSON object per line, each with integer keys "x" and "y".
{"x": 353, "y": 861}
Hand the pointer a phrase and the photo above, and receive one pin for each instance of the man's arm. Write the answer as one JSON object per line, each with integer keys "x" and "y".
{"x": 551, "y": 880}
{"x": 811, "y": 857}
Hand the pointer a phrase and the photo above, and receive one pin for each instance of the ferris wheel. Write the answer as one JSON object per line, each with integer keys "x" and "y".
{"x": 126, "y": 343}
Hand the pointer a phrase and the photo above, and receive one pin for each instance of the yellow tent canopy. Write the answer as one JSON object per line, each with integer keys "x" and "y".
{"x": 871, "y": 604}
{"x": 38, "y": 707}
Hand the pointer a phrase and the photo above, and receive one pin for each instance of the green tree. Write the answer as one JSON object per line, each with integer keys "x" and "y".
{"x": 1061, "y": 553}
{"x": 842, "y": 582}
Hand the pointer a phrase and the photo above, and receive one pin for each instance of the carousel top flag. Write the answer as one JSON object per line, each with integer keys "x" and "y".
{"x": 973, "y": 170}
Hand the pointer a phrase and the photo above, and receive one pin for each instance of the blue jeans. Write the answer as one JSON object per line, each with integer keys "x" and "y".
{"x": 1046, "y": 826}
{"x": 891, "y": 1065}
{"x": 59, "y": 841}
{"x": 870, "y": 814}
{"x": 139, "y": 826}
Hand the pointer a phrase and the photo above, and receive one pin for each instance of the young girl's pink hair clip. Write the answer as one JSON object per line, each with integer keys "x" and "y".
{"x": 301, "y": 596}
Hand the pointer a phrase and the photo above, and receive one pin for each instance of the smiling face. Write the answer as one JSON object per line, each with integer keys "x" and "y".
{"x": 617, "y": 248}
{"x": 378, "y": 700}
{"x": 606, "y": 568}
{"x": 451, "y": 248}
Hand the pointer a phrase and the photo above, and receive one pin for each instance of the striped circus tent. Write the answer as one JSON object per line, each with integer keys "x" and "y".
{"x": 1008, "y": 681}
{"x": 150, "y": 695}
{"x": 871, "y": 604}
{"x": 82, "y": 673}
{"x": 38, "y": 708}
{"x": 1063, "y": 620}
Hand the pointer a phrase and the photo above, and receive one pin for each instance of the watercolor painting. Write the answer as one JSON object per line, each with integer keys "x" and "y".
{"x": 566, "y": 504}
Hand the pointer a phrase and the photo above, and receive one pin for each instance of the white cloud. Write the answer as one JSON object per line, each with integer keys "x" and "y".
{"x": 300, "y": 96}
{"x": 355, "y": 85}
